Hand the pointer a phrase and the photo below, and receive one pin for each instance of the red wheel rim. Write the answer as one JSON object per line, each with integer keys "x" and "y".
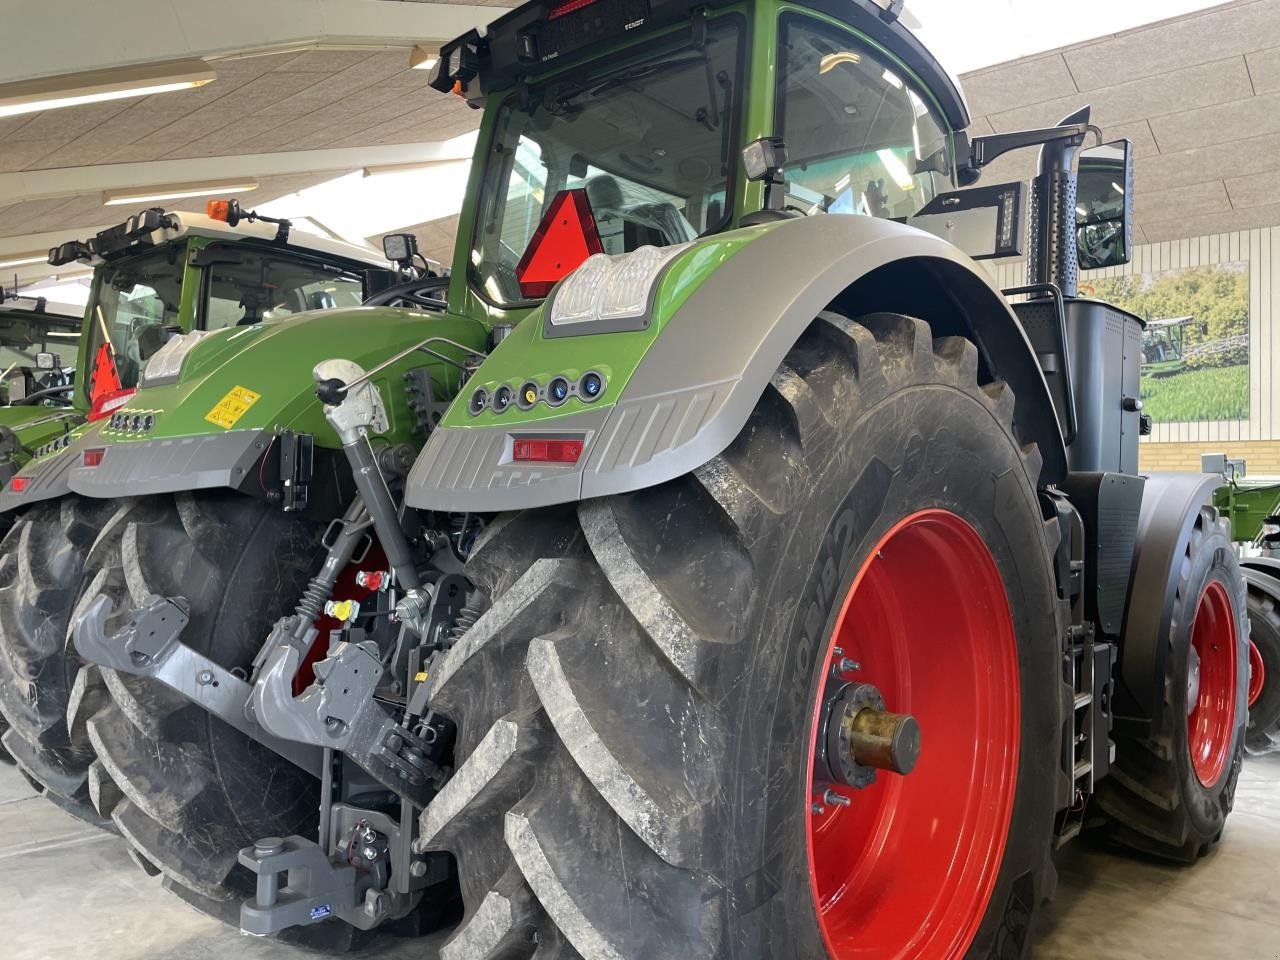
{"x": 1257, "y": 673}
{"x": 1211, "y": 720}
{"x": 906, "y": 869}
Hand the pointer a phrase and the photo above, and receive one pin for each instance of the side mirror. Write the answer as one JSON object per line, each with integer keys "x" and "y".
{"x": 400, "y": 248}
{"x": 1104, "y": 205}
{"x": 48, "y": 361}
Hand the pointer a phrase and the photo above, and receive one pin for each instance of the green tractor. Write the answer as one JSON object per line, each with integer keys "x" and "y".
{"x": 37, "y": 387}
{"x": 1162, "y": 342}
{"x": 1252, "y": 504}
{"x": 723, "y": 568}
{"x": 156, "y": 275}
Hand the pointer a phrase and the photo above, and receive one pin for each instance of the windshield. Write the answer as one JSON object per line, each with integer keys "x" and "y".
{"x": 650, "y": 140}
{"x": 859, "y": 138}
{"x": 133, "y": 301}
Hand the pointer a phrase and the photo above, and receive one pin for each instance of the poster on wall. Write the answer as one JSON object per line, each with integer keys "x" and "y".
{"x": 1195, "y": 363}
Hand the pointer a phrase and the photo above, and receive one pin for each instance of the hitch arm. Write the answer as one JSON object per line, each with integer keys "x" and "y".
{"x": 148, "y": 646}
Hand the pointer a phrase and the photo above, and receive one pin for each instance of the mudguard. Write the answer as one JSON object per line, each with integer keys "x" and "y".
{"x": 1171, "y": 503}
{"x": 724, "y": 316}
{"x": 45, "y": 478}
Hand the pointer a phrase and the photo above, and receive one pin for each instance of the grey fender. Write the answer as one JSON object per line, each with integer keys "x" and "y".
{"x": 693, "y": 391}
{"x": 47, "y": 478}
{"x": 1171, "y": 503}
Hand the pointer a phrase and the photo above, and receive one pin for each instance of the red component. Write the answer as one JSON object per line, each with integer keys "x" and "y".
{"x": 1257, "y": 670}
{"x": 346, "y": 587}
{"x": 546, "y": 451}
{"x": 375, "y": 580}
{"x": 104, "y": 379}
{"x": 906, "y": 869}
{"x": 18, "y": 484}
{"x": 1212, "y": 721}
{"x": 94, "y": 457}
{"x": 567, "y": 7}
{"x": 565, "y": 237}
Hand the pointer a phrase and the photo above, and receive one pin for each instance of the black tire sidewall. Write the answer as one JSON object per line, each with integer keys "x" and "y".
{"x": 1264, "y": 715}
{"x": 925, "y": 447}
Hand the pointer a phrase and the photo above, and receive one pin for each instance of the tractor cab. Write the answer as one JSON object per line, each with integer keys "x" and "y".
{"x": 161, "y": 274}
{"x": 587, "y": 153}
{"x": 34, "y": 337}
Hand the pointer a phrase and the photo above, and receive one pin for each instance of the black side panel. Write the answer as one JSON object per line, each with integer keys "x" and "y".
{"x": 1106, "y": 353}
{"x": 1109, "y": 504}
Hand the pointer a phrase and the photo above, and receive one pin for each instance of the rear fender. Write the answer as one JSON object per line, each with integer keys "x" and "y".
{"x": 1171, "y": 503}
{"x": 696, "y": 384}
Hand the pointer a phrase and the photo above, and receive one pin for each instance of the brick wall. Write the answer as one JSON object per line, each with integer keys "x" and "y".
{"x": 1260, "y": 456}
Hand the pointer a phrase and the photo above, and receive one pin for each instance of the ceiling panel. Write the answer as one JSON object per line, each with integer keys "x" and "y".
{"x": 1198, "y": 96}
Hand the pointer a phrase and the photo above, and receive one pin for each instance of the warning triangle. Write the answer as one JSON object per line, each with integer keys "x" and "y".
{"x": 104, "y": 379}
{"x": 565, "y": 238}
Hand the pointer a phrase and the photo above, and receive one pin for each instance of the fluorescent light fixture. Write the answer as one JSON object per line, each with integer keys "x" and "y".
{"x": 175, "y": 191}
{"x": 1117, "y": 188}
{"x": 62, "y": 333}
{"x": 24, "y": 260}
{"x": 415, "y": 166}
{"x": 420, "y": 58}
{"x": 93, "y": 86}
{"x": 896, "y": 169}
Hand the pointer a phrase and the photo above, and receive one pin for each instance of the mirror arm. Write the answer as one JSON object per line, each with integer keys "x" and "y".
{"x": 983, "y": 150}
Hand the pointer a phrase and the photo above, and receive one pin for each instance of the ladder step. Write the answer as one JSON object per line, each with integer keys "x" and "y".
{"x": 1083, "y": 700}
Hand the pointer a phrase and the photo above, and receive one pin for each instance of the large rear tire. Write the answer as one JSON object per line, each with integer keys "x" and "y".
{"x": 640, "y": 706}
{"x": 184, "y": 788}
{"x": 42, "y": 561}
{"x": 1168, "y": 794}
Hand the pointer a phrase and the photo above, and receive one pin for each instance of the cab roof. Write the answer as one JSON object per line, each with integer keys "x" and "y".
{"x": 539, "y": 35}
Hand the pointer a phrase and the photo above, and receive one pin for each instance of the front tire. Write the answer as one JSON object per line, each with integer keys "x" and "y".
{"x": 638, "y": 709}
{"x": 1168, "y": 794}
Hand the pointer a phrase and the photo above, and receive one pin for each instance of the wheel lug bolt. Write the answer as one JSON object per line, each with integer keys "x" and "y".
{"x": 835, "y": 799}
{"x": 816, "y": 809}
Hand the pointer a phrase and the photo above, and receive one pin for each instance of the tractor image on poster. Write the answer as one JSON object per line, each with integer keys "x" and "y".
{"x": 1162, "y": 346}
{"x": 724, "y": 567}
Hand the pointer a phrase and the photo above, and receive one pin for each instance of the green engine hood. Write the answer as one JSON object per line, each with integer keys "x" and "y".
{"x": 260, "y": 376}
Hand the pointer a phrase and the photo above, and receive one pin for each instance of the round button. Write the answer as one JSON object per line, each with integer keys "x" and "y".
{"x": 479, "y": 400}
{"x": 592, "y": 385}
{"x": 528, "y": 395}
{"x": 502, "y": 398}
{"x": 557, "y": 391}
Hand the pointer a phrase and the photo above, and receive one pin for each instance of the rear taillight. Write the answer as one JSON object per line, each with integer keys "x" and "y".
{"x": 568, "y": 7}
{"x": 532, "y": 450}
{"x": 94, "y": 457}
{"x": 108, "y": 402}
{"x": 19, "y": 484}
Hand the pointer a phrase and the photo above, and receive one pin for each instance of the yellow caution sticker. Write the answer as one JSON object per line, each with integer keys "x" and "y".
{"x": 232, "y": 407}
{"x": 420, "y": 677}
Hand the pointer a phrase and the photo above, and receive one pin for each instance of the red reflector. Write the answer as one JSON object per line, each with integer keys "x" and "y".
{"x": 569, "y": 6}
{"x": 546, "y": 451}
{"x": 565, "y": 238}
{"x": 18, "y": 484}
{"x": 94, "y": 457}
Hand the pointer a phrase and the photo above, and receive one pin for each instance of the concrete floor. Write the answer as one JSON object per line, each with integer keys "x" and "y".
{"x": 68, "y": 891}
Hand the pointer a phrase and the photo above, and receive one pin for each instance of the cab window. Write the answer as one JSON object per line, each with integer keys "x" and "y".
{"x": 245, "y": 286}
{"x": 859, "y": 138}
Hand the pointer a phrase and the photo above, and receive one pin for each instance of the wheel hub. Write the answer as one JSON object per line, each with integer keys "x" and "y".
{"x": 863, "y": 737}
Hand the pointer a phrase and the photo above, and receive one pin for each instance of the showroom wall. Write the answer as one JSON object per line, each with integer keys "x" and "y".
{"x": 1226, "y": 395}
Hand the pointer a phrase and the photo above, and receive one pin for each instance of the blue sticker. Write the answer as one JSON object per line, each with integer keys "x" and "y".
{"x": 320, "y": 912}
